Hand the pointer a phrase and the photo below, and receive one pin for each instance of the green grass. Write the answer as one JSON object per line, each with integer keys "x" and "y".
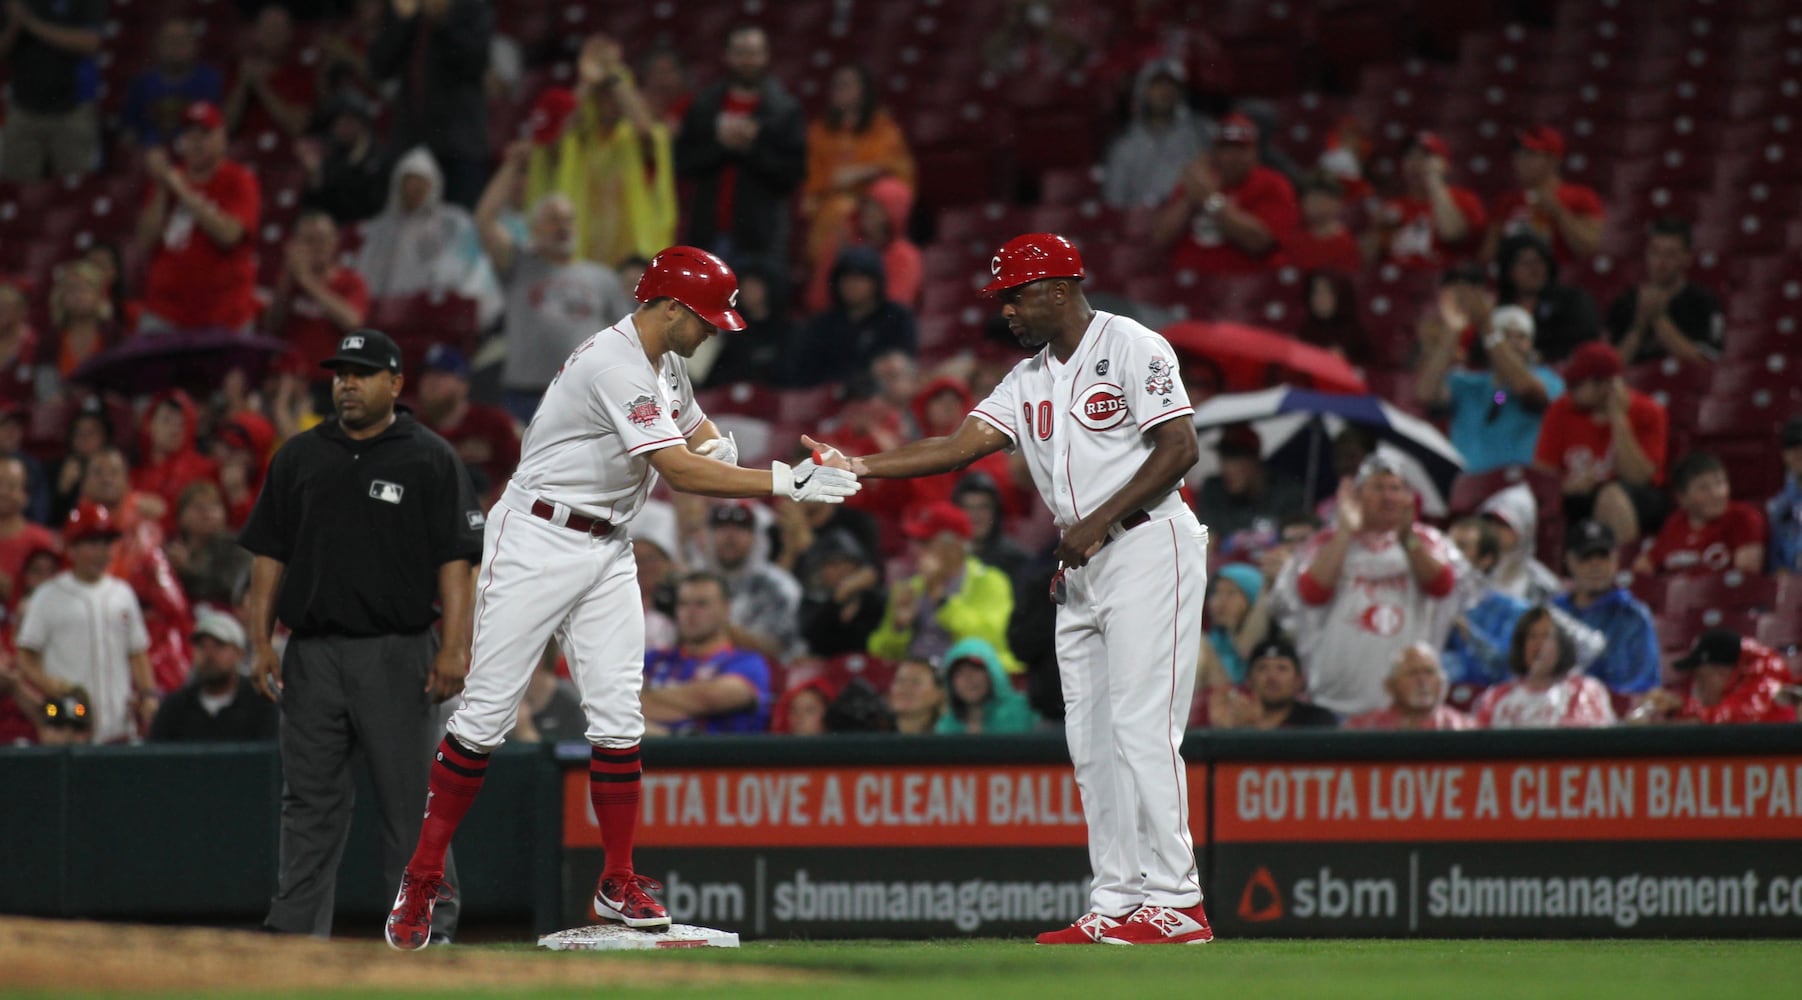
{"x": 1240, "y": 970}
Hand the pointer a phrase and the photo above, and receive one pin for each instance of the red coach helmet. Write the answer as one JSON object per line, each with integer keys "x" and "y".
{"x": 89, "y": 520}
{"x": 1033, "y": 257}
{"x": 698, "y": 280}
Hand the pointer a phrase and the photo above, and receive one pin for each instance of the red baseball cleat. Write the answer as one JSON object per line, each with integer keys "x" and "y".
{"x": 410, "y": 922}
{"x": 1087, "y": 929}
{"x": 627, "y": 899}
{"x": 1162, "y": 925}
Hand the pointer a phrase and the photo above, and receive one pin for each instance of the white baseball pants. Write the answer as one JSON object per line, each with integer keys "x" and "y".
{"x": 1128, "y": 637}
{"x": 539, "y": 578}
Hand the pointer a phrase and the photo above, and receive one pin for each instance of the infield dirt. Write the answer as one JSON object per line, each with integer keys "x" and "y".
{"x": 123, "y": 958}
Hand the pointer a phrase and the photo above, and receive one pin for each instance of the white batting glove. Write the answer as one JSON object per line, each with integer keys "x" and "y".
{"x": 720, "y": 449}
{"x": 811, "y": 483}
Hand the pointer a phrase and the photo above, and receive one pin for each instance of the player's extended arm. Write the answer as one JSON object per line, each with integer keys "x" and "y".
{"x": 704, "y": 476}
{"x": 698, "y": 699}
{"x": 928, "y": 456}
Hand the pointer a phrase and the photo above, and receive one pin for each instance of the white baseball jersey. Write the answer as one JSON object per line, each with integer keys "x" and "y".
{"x": 1350, "y": 636}
{"x": 607, "y": 410}
{"x": 1082, "y": 423}
{"x": 1129, "y": 632}
{"x": 86, "y": 633}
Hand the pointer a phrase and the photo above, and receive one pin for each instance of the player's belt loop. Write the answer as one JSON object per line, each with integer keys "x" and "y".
{"x": 593, "y": 526}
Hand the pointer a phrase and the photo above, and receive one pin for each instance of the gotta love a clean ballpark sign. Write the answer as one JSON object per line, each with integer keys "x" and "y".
{"x": 1001, "y": 805}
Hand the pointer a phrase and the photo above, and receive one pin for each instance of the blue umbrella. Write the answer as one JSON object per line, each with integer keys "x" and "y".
{"x": 1297, "y": 426}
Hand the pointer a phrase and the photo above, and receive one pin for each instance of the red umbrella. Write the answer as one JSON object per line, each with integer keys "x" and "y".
{"x": 1249, "y": 358}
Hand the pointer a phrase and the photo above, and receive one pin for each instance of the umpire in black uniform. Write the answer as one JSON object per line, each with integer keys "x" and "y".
{"x": 363, "y": 524}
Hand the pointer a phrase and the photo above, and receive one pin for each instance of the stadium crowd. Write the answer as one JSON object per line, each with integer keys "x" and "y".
{"x": 287, "y": 173}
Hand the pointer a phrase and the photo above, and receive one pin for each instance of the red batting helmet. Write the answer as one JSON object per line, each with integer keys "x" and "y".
{"x": 698, "y": 280}
{"x": 89, "y": 520}
{"x": 1033, "y": 257}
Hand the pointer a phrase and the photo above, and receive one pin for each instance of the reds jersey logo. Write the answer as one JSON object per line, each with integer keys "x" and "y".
{"x": 643, "y": 411}
{"x": 1381, "y": 619}
{"x": 1102, "y": 407}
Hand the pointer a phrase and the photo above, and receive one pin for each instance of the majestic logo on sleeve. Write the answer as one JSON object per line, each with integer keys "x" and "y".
{"x": 1101, "y": 407}
{"x": 643, "y": 411}
{"x": 1159, "y": 380}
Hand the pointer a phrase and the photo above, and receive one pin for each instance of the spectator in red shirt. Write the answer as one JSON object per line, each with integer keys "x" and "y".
{"x": 1608, "y": 444}
{"x": 1230, "y": 214}
{"x": 167, "y": 458}
{"x": 199, "y": 227}
{"x": 1567, "y": 215}
{"x": 317, "y": 300}
{"x": 242, "y": 447}
{"x": 271, "y": 88}
{"x": 1726, "y": 679}
{"x": 18, "y": 537}
{"x": 938, "y": 409}
{"x": 1431, "y": 224}
{"x": 486, "y": 438}
{"x": 1323, "y": 243}
{"x": 1710, "y": 532}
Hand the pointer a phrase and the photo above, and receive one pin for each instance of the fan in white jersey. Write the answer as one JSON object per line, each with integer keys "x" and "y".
{"x": 1101, "y": 415}
{"x": 1365, "y": 589}
{"x": 555, "y": 560}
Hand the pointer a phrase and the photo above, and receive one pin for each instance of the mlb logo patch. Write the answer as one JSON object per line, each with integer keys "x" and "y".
{"x": 385, "y": 491}
{"x": 476, "y": 520}
{"x": 351, "y": 344}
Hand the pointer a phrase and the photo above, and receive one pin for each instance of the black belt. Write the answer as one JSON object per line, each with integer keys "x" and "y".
{"x": 576, "y": 522}
{"x": 1128, "y": 523}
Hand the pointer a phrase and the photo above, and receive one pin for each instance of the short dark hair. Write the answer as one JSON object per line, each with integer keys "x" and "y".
{"x": 707, "y": 576}
{"x": 1517, "y": 648}
{"x": 1489, "y": 543}
{"x": 1673, "y": 226}
{"x": 1692, "y": 467}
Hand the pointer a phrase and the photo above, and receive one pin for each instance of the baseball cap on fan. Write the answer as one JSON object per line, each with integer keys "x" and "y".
{"x": 365, "y": 348}
{"x": 202, "y": 114}
{"x": 1238, "y": 128}
{"x": 1715, "y": 647}
{"x": 1540, "y": 139}
{"x": 1591, "y": 538}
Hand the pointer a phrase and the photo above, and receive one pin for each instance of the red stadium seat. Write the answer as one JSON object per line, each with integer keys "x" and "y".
{"x": 1729, "y": 591}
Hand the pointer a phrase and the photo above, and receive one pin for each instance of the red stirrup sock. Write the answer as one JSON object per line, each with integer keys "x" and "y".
{"x": 457, "y": 774}
{"x": 613, "y": 783}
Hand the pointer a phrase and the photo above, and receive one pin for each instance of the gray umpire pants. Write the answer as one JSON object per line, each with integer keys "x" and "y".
{"x": 343, "y": 698}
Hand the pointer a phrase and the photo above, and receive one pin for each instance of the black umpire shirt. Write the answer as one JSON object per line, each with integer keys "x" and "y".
{"x": 363, "y": 527}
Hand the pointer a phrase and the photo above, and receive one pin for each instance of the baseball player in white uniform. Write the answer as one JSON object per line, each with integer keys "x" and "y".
{"x": 1101, "y": 414}
{"x": 556, "y": 560}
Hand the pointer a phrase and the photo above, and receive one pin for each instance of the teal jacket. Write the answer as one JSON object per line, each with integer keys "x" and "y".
{"x": 1006, "y": 711}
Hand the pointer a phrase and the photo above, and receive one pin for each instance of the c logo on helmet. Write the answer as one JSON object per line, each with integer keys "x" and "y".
{"x": 732, "y": 300}
{"x": 995, "y": 266}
